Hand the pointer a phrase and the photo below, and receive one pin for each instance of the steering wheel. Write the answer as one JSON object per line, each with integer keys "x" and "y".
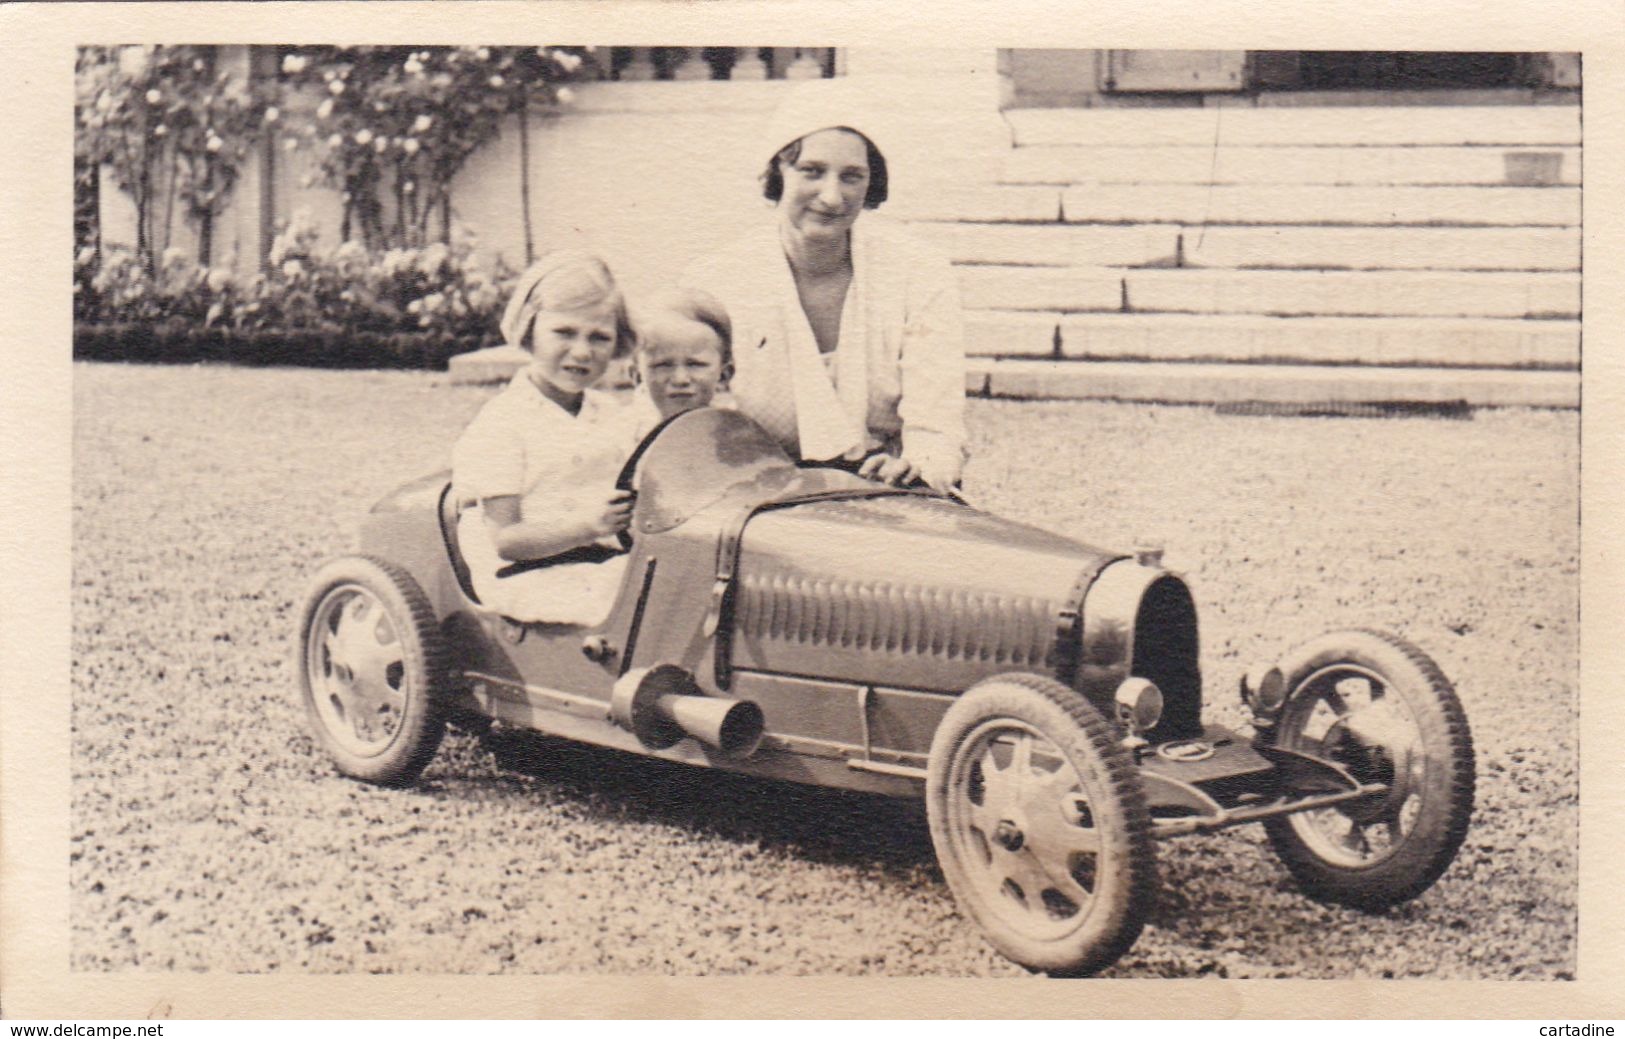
{"x": 623, "y": 479}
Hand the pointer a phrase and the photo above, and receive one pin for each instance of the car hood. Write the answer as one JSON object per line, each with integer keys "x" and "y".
{"x": 910, "y": 591}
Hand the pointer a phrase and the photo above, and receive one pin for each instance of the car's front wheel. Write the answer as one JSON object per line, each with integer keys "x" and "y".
{"x": 372, "y": 670}
{"x": 1040, "y": 824}
{"x": 1378, "y": 706}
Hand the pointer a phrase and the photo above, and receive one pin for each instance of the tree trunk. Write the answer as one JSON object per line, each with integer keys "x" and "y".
{"x": 205, "y": 222}
{"x": 524, "y": 178}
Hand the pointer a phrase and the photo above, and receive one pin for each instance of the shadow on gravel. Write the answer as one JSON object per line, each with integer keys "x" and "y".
{"x": 809, "y": 823}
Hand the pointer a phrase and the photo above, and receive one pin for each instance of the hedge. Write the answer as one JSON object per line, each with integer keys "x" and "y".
{"x": 175, "y": 342}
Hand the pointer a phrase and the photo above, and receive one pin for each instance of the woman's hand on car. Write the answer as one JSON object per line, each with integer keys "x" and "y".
{"x": 889, "y": 469}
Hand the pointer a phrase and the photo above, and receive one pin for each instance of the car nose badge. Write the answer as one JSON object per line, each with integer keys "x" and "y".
{"x": 1185, "y": 750}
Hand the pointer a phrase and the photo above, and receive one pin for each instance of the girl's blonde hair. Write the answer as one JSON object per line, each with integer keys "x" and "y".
{"x": 565, "y": 280}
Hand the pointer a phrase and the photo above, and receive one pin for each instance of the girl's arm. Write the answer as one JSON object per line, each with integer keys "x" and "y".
{"x": 518, "y": 540}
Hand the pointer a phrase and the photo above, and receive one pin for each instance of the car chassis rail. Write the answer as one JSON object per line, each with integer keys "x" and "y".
{"x": 1314, "y": 782}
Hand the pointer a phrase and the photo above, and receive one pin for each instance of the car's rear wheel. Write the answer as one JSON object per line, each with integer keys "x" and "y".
{"x": 1378, "y": 706}
{"x": 1040, "y": 824}
{"x": 372, "y": 670}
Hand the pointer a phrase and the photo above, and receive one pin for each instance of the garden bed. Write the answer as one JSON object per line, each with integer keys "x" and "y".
{"x": 177, "y": 342}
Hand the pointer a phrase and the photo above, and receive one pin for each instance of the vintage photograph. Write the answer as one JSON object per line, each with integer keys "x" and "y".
{"x": 551, "y": 509}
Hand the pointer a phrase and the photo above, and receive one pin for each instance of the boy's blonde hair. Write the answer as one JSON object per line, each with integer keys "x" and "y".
{"x": 565, "y": 280}
{"x": 689, "y": 304}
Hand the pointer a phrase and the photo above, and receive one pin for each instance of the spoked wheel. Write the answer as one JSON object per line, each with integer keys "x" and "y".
{"x": 1040, "y": 824}
{"x": 372, "y": 669}
{"x": 1381, "y": 708}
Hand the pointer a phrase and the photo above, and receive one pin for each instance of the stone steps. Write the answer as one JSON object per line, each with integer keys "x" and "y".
{"x": 1288, "y": 293}
{"x": 1275, "y": 204}
{"x": 1320, "y": 205}
{"x": 1254, "y": 164}
{"x": 1270, "y": 384}
{"x": 1249, "y": 339}
{"x": 1263, "y": 247}
{"x": 1522, "y": 126}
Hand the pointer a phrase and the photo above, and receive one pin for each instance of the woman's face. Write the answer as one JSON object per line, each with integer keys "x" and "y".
{"x": 825, "y": 187}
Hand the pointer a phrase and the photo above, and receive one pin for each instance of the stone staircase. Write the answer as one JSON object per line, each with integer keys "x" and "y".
{"x": 1288, "y": 255}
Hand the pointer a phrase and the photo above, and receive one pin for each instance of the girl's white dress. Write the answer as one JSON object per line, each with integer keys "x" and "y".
{"x": 559, "y": 465}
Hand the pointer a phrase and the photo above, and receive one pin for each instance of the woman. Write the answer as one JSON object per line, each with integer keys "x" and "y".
{"x": 848, "y": 341}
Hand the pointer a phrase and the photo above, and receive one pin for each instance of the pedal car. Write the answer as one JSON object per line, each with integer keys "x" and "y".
{"x": 1043, "y": 695}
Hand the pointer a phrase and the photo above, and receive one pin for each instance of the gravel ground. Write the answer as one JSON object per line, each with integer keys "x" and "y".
{"x": 209, "y": 834}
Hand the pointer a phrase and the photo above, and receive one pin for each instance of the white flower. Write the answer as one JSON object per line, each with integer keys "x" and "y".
{"x": 567, "y": 61}
{"x": 160, "y": 130}
{"x": 422, "y": 123}
{"x": 219, "y": 279}
{"x": 293, "y": 268}
{"x": 413, "y": 66}
{"x": 496, "y": 82}
{"x": 85, "y": 255}
{"x": 214, "y": 144}
{"x": 104, "y": 101}
{"x": 173, "y": 255}
{"x": 433, "y": 302}
{"x": 153, "y": 97}
{"x": 335, "y": 141}
{"x": 432, "y": 257}
{"x": 565, "y": 95}
{"x": 336, "y": 87}
{"x": 414, "y": 307}
{"x": 293, "y": 64}
{"x": 380, "y": 145}
{"x": 410, "y": 186}
{"x": 324, "y": 109}
{"x": 363, "y": 136}
{"x": 291, "y": 143}
{"x": 272, "y": 114}
{"x": 484, "y": 54}
{"x": 410, "y": 146}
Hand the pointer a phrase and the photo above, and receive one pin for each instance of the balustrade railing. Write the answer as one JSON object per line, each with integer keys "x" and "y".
{"x": 634, "y": 64}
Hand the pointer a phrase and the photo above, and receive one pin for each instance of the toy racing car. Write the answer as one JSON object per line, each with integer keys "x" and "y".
{"x": 1043, "y": 695}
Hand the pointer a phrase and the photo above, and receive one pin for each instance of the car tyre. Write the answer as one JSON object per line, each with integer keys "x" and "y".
{"x": 1381, "y": 708}
{"x": 1040, "y": 824}
{"x": 373, "y": 670}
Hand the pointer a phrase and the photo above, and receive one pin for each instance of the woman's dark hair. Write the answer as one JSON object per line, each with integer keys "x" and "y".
{"x": 773, "y": 180}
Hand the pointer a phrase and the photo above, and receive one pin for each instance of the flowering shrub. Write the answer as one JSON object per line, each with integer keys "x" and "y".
{"x": 119, "y": 289}
{"x": 439, "y": 288}
{"x": 169, "y": 128}
{"x": 394, "y": 124}
{"x": 442, "y": 290}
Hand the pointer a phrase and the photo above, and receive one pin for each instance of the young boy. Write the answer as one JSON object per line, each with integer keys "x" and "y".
{"x": 684, "y": 353}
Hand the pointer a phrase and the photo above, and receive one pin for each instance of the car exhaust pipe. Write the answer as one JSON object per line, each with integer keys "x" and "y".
{"x": 733, "y": 727}
{"x": 661, "y": 705}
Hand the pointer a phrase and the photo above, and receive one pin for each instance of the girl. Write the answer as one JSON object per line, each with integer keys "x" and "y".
{"x": 539, "y": 461}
